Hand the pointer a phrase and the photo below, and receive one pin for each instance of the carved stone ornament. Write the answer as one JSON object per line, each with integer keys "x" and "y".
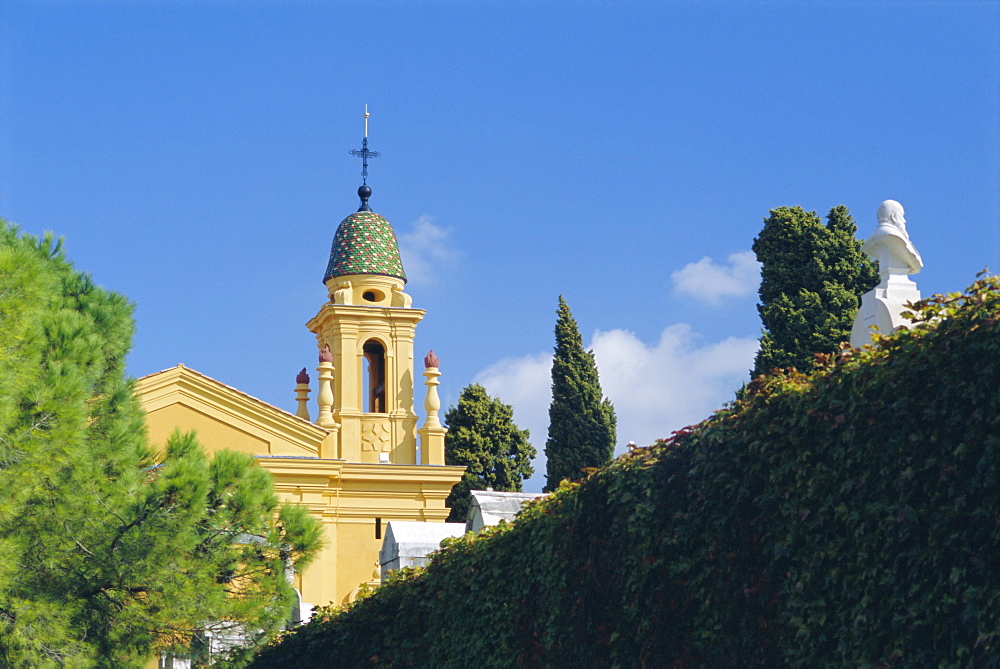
{"x": 401, "y": 299}
{"x": 343, "y": 294}
{"x": 375, "y": 437}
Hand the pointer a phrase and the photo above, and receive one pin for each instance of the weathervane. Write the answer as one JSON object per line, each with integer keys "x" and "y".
{"x": 363, "y": 152}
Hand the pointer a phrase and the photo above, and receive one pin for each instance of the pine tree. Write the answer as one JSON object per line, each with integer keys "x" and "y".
{"x": 581, "y": 420}
{"x": 812, "y": 280}
{"x": 109, "y": 551}
{"x": 483, "y": 437}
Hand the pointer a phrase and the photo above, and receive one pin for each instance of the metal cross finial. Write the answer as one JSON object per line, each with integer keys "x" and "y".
{"x": 364, "y": 153}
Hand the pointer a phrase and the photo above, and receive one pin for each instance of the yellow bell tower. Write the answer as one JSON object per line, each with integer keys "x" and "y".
{"x": 365, "y": 337}
{"x": 356, "y": 467}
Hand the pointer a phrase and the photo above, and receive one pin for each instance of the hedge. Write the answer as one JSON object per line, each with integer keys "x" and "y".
{"x": 845, "y": 518}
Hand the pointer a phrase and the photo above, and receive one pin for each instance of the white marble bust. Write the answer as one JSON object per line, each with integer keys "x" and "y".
{"x": 890, "y": 244}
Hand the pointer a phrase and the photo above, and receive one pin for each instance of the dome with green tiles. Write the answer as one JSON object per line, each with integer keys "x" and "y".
{"x": 364, "y": 244}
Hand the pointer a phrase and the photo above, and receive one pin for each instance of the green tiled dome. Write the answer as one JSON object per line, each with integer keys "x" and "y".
{"x": 364, "y": 244}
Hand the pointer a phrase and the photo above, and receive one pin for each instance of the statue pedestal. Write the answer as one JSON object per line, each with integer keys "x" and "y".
{"x": 883, "y": 307}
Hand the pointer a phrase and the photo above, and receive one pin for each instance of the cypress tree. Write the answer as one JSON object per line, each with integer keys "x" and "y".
{"x": 812, "y": 280}
{"x": 110, "y": 551}
{"x": 483, "y": 437}
{"x": 581, "y": 420}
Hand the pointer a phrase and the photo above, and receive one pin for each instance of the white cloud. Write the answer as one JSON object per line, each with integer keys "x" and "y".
{"x": 656, "y": 388}
{"x": 425, "y": 250}
{"x": 711, "y": 282}
{"x": 525, "y": 383}
{"x": 662, "y": 387}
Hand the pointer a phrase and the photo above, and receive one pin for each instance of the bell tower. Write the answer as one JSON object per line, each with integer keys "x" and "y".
{"x": 365, "y": 336}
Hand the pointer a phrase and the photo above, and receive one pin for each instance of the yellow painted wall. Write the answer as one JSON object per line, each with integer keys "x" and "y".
{"x": 212, "y": 432}
{"x": 346, "y": 496}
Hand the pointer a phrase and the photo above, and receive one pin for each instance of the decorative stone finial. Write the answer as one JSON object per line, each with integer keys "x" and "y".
{"x": 401, "y": 299}
{"x": 325, "y": 398}
{"x": 302, "y": 394}
{"x": 432, "y": 433}
{"x": 343, "y": 293}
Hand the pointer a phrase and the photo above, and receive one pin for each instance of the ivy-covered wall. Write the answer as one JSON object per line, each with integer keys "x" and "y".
{"x": 847, "y": 518}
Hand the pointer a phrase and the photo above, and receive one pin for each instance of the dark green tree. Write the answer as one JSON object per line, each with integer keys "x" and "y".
{"x": 581, "y": 419}
{"x": 483, "y": 437}
{"x": 110, "y": 551}
{"x": 812, "y": 280}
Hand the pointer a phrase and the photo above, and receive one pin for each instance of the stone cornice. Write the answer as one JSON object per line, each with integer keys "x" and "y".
{"x": 360, "y": 316}
{"x": 340, "y": 473}
{"x": 427, "y": 475}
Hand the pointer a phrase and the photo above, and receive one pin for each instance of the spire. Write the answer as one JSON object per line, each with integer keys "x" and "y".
{"x": 364, "y": 191}
{"x": 365, "y": 242}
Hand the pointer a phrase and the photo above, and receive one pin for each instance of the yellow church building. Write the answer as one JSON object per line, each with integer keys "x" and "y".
{"x": 356, "y": 464}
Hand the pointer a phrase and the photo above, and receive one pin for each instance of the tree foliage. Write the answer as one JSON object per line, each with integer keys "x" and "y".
{"x": 812, "y": 280}
{"x": 483, "y": 437}
{"x": 581, "y": 420}
{"x": 846, "y": 518}
{"x": 108, "y": 550}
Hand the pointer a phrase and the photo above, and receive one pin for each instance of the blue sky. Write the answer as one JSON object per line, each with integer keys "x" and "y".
{"x": 623, "y": 154}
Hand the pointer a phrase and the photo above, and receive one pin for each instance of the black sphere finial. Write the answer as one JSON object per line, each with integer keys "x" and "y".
{"x": 364, "y": 192}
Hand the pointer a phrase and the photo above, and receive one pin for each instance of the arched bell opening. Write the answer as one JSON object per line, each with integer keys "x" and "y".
{"x": 374, "y": 377}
